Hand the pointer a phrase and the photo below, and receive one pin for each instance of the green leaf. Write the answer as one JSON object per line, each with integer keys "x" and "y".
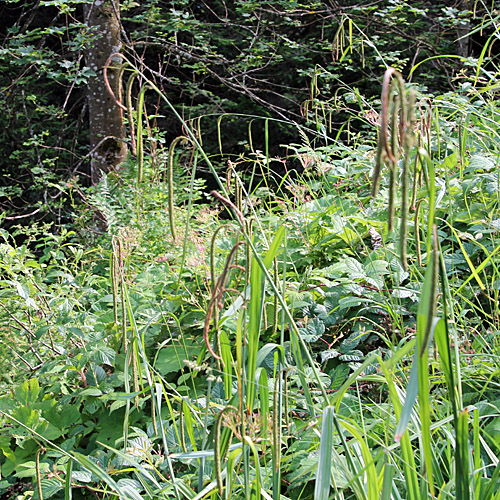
{"x": 347, "y": 302}
{"x": 105, "y": 356}
{"x": 339, "y": 376}
{"x": 315, "y": 329}
{"x": 91, "y": 391}
{"x": 227, "y": 358}
{"x": 329, "y": 354}
{"x": 49, "y": 488}
{"x": 116, "y": 405}
{"x": 350, "y": 343}
{"x": 131, "y": 487}
{"x": 171, "y": 358}
{"x": 27, "y": 392}
{"x": 96, "y": 375}
{"x": 273, "y": 249}
{"x": 82, "y": 476}
{"x": 478, "y": 162}
{"x": 28, "y": 469}
{"x": 353, "y": 356}
{"x": 41, "y": 331}
{"x": 101, "y": 474}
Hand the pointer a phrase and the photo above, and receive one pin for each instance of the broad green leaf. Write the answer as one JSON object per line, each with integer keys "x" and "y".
{"x": 82, "y": 476}
{"x": 28, "y": 391}
{"x": 339, "y": 375}
{"x": 479, "y": 162}
{"x": 171, "y": 357}
{"x": 329, "y": 354}
{"x": 49, "y": 488}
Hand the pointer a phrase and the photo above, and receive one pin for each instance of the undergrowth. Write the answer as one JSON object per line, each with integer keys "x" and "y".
{"x": 328, "y": 332}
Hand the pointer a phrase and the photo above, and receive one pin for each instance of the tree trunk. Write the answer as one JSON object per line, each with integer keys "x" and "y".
{"x": 463, "y": 30}
{"x": 107, "y": 132}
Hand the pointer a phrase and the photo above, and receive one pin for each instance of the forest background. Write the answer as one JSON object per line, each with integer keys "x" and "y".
{"x": 232, "y": 248}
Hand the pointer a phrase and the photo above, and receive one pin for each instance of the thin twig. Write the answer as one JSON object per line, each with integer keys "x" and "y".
{"x": 14, "y": 217}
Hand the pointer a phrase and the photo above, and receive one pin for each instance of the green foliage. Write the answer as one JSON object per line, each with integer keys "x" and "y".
{"x": 346, "y": 290}
{"x": 264, "y": 348}
{"x": 309, "y": 63}
{"x": 40, "y": 61}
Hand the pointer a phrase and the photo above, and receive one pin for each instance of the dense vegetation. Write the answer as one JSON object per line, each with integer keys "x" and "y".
{"x": 291, "y": 290}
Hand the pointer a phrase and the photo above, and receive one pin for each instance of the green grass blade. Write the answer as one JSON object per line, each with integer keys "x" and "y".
{"x": 479, "y": 268}
{"x": 462, "y": 456}
{"x": 324, "y": 472}
{"x": 232, "y": 459}
{"x": 369, "y": 465}
{"x": 411, "y": 397}
{"x": 140, "y": 138}
{"x": 257, "y": 483}
{"x": 430, "y": 177}
{"x": 426, "y": 323}
{"x": 274, "y": 247}
{"x": 473, "y": 270}
{"x": 407, "y": 455}
{"x": 445, "y": 358}
{"x": 489, "y": 491}
{"x": 267, "y": 349}
{"x": 336, "y": 399}
{"x": 298, "y": 343}
{"x": 264, "y": 399}
{"x": 159, "y": 393}
{"x": 477, "y": 455}
{"x": 389, "y": 471}
{"x": 102, "y": 475}
{"x": 254, "y": 324}
{"x": 68, "y": 491}
{"x": 442, "y": 56}
{"x": 189, "y": 424}
{"x": 486, "y": 48}
{"x": 255, "y": 313}
{"x": 227, "y": 359}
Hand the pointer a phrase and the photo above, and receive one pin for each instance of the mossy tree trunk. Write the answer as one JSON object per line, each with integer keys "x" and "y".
{"x": 107, "y": 132}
